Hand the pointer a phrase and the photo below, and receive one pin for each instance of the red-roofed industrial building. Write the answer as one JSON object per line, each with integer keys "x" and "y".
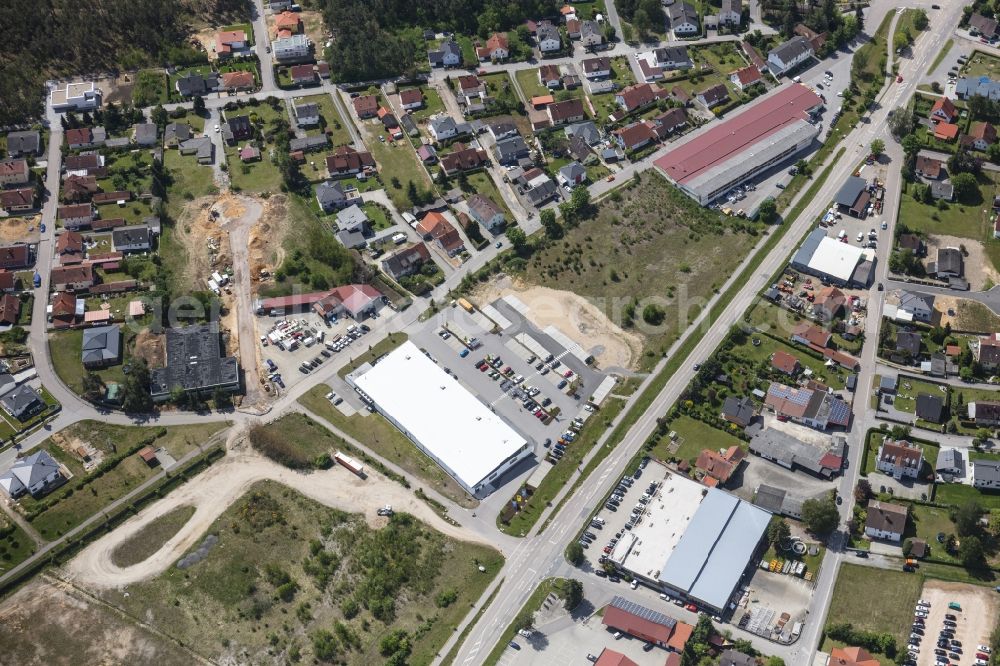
{"x": 646, "y": 624}
{"x": 739, "y": 148}
{"x": 612, "y": 658}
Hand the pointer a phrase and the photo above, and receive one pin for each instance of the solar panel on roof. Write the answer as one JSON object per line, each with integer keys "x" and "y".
{"x": 643, "y": 612}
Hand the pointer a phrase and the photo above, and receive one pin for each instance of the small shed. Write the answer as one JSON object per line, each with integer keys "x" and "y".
{"x": 148, "y": 455}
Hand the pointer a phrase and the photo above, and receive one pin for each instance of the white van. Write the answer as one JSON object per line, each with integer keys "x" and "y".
{"x": 842, "y": 234}
{"x": 399, "y": 238}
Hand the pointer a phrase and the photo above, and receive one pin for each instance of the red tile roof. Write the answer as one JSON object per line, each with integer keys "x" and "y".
{"x": 19, "y": 198}
{"x": 945, "y": 131}
{"x": 852, "y": 656}
{"x": 639, "y": 627}
{"x": 237, "y": 80}
{"x": 347, "y": 160}
{"x": 366, "y": 105}
{"x": 944, "y": 107}
{"x": 611, "y": 658}
{"x": 640, "y": 94}
{"x": 737, "y": 134}
{"x": 784, "y": 362}
{"x": 813, "y": 334}
{"x": 747, "y": 75}
{"x": 497, "y": 40}
{"x": 635, "y": 135}
{"x": 411, "y": 96}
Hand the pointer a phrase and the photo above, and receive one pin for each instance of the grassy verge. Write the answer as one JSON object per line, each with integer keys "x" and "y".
{"x": 376, "y": 433}
{"x": 384, "y": 346}
{"x": 533, "y": 603}
{"x": 151, "y": 538}
{"x": 15, "y": 546}
{"x": 453, "y": 652}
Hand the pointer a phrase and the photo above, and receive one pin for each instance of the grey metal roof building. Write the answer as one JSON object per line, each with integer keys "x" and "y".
{"x": 719, "y": 544}
{"x": 195, "y": 363}
{"x": 22, "y": 403}
{"x": 850, "y": 191}
{"x": 37, "y": 474}
{"x": 101, "y": 345}
{"x": 791, "y": 452}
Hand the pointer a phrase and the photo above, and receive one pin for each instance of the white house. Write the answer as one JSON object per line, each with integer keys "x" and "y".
{"x": 885, "y": 521}
{"x": 899, "y": 459}
{"x": 597, "y": 68}
{"x": 83, "y": 96}
{"x": 591, "y": 34}
{"x": 443, "y": 128}
{"x": 683, "y": 19}
{"x": 307, "y": 115}
{"x": 295, "y": 47}
{"x": 986, "y": 473}
{"x": 919, "y": 306}
{"x": 731, "y": 12}
{"x": 548, "y": 39}
{"x": 785, "y": 56}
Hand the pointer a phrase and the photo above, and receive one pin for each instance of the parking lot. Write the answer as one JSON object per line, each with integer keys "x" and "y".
{"x": 970, "y": 624}
{"x": 290, "y": 341}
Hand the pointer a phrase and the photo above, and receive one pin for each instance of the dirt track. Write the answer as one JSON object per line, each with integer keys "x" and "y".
{"x": 212, "y": 492}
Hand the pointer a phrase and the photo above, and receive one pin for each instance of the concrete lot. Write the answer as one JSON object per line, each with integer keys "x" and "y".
{"x": 564, "y": 642}
{"x": 615, "y": 519}
{"x": 757, "y": 471}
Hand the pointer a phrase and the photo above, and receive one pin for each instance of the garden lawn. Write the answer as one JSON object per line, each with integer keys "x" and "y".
{"x": 15, "y": 547}
{"x": 527, "y": 81}
{"x": 386, "y": 441}
{"x": 875, "y": 600}
{"x": 908, "y": 390}
{"x": 693, "y": 436}
{"x": 955, "y": 494}
{"x": 925, "y": 523}
{"x": 397, "y": 160}
{"x": 188, "y": 180}
{"x": 432, "y": 103}
{"x": 255, "y": 177}
{"x": 982, "y": 64}
{"x": 64, "y": 350}
{"x": 339, "y": 134}
{"x": 150, "y": 88}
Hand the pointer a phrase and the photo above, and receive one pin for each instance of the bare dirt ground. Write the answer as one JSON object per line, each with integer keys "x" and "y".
{"x": 20, "y": 229}
{"x": 975, "y": 620}
{"x": 214, "y": 490}
{"x": 978, "y": 267}
{"x": 205, "y": 39}
{"x": 117, "y": 90}
{"x": 574, "y": 315}
{"x": 312, "y": 24}
{"x": 77, "y": 631}
{"x": 267, "y": 236}
{"x": 151, "y": 348}
{"x": 198, "y": 232}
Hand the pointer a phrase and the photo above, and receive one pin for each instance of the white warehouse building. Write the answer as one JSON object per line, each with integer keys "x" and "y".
{"x": 445, "y": 421}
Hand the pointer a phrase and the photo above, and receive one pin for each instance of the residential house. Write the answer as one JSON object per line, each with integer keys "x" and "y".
{"x": 928, "y": 167}
{"x": 986, "y": 351}
{"x": 19, "y": 200}
{"x": 202, "y": 147}
{"x": 470, "y": 85}
{"x": 406, "y": 261}
{"x": 133, "y": 238}
{"x": 983, "y": 135}
{"x": 36, "y": 474}
{"x": 548, "y": 39}
{"x": 411, "y": 99}
{"x": 946, "y": 131}
{"x": 365, "y": 106}
{"x": 287, "y": 22}
{"x": 886, "y": 521}
{"x": 307, "y": 115}
{"x": 427, "y": 153}
{"x": 23, "y": 144}
{"x": 497, "y": 48}
{"x": 237, "y": 81}
{"x": 829, "y": 303}
{"x": 568, "y": 111}
{"x": 596, "y": 68}
{"x": 911, "y": 243}
{"x": 346, "y": 162}
{"x": 13, "y": 257}
{"x": 22, "y": 403}
{"x": 753, "y": 55}
{"x": 449, "y": 54}
{"x": 731, "y": 13}
{"x": 463, "y": 159}
{"x": 789, "y": 55}
{"x": 571, "y": 175}
{"x": 811, "y": 336}
{"x": 389, "y": 121}
{"x": 10, "y": 309}
{"x": 536, "y": 186}
{"x": 637, "y": 96}
{"x": 303, "y": 75}
{"x": 176, "y": 133}
{"x": 814, "y": 408}
{"x": 668, "y": 122}
{"x": 435, "y": 226}
{"x": 14, "y": 172}
{"x": 899, "y": 459}
{"x": 501, "y": 129}
{"x": 673, "y": 57}
{"x": 69, "y": 247}
{"x": 816, "y": 40}
{"x": 145, "y": 134}
{"x": 573, "y": 27}
{"x": 943, "y": 111}
{"x": 101, "y": 346}
{"x": 63, "y": 310}
{"x": 197, "y": 85}
{"x": 550, "y": 76}
{"x": 717, "y": 466}
{"x": 229, "y": 43}
{"x": 930, "y": 408}
{"x": 634, "y": 137}
{"x": 333, "y": 196}
{"x": 239, "y": 129}
{"x": 949, "y": 263}
{"x": 511, "y": 150}
{"x": 714, "y": 95}
{"x": 785, "y": 363}
{"x": 486, "y": 212}
{"x": 72, "y": 278}
{"x": 353, "y": 219}
{"x": 746, "y": 77}
{"x": 308, "y": 144}
{"x": 950, "y": 463}
{"x": 75, "y": 216}
{"x": 981, "y": 25}
{"x": 591, "y": 34}
{"x": 738, "y": 410}
{"x": 917, "y": 305}
{"x": 443, "y": 128}
{"x": 984, "y": 412}
{"x": 683, "y": 19}
{"x": 986, "y": 474}
{"x": 587, "y": 131}
{"x": 81, "y": 96}
{"x": 292, "y": 48}
{"x": 907, "y": 346}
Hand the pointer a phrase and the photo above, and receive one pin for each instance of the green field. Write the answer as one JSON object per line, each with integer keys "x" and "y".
{"x": 15, "y": 545}
{"x": 955, "y": 494}
{"x": 188, "y": 180}
{"x": 527, "y": 81}
{"x": 150, "y": 88}
{"x": 647, "y": 241}
{"x": 383, "y": 346}
{"x": 301, "y": 581}
{"x": 151, "y": 538}
{"x": 385, "y": 440}
{"x": 888, "y": 610}
{"x": 926, "y": 522}
{"x": 396, "y": 160}
{"x": 693, "y": 436}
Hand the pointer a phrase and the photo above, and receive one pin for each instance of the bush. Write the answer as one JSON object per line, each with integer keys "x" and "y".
{"x": 278, "y": 449}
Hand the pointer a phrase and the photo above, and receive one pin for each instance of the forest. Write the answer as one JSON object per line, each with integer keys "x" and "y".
{"x": 384, "y": 38}
{"x": 49, "y": 39}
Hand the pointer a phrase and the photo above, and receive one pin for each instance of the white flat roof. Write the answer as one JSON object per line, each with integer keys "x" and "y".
{"x": 435, "y": 410}
{"x": 644, "y": 548}
{"x": 835, "y": 258}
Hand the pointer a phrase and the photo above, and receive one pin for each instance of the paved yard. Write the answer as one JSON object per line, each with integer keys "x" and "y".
{"x": 975, "y": 620}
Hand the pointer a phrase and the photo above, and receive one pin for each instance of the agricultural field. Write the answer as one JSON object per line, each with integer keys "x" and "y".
{"x": 888, "y": 611}
{"x": 293, "y": 578}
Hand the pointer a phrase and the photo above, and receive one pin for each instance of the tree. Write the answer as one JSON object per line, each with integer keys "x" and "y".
{"x": 199, "y": 106}
{"x": 642, "y": 23}
{"x": 820, "y": 515}
{"x": 972, "y": 553}
{"x": 966, "y": 518}
{"x": 573, "y": 589}
{"x": 920, "y": 20}
{"x": 517, "y": 238}
{"x": 524, "y": 620}
{"x": 581, "y": 202}
{"x": 653, "y": 314}
{"x": 159, "y": 116}
{"x": 574, "y": 553}
{"x": 135, "y": 389}
{"x": 778, "y": 531}
{"x": 878, "y": 146}
{"x": 768, "y": 211}
{"x": 963, "y": 162}
{"x": 552, "y": 227}
{"x": 863, "y": 491}
{"x": 902, "y": 123}
{"x": 907, "y": 547}
{"x": 93, "y": 387}
{"x": 965, "y": 186}
{"x": 993, "y": 153}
